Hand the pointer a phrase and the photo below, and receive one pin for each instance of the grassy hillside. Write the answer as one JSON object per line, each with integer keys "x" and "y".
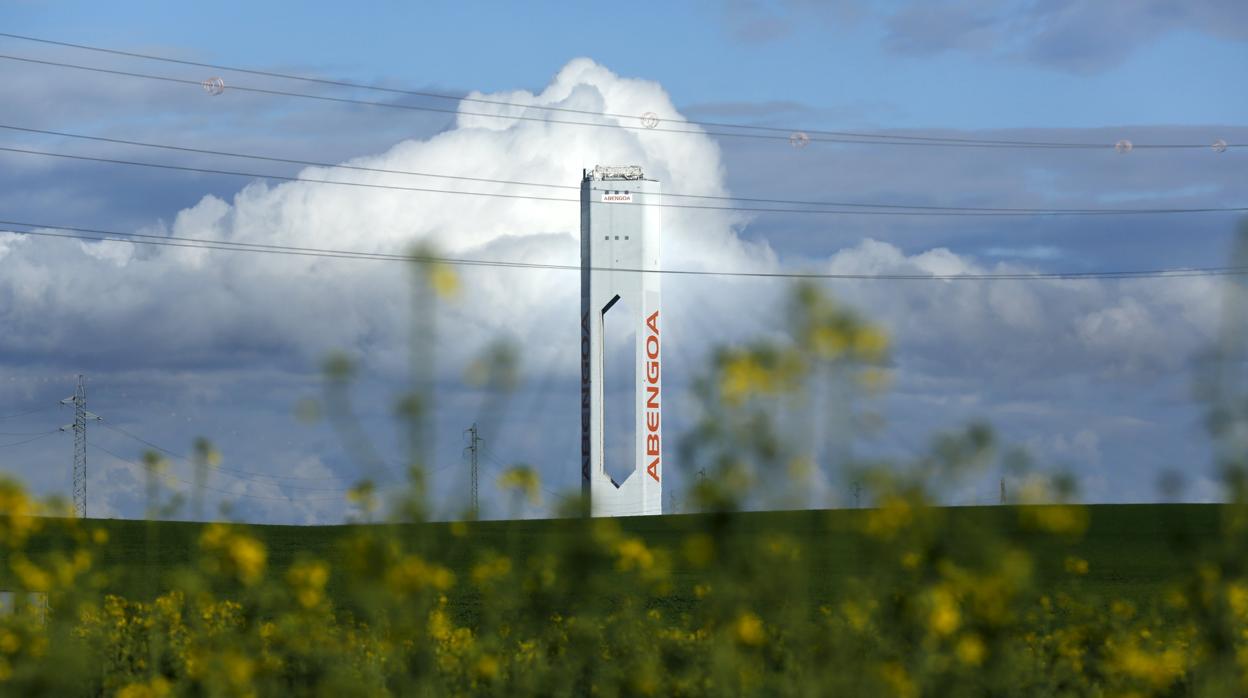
{"x": 1132, "y": 550}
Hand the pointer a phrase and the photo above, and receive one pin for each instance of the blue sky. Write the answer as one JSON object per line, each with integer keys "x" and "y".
{"x": 844, "y": 58}
{"x": 1094, "y": 376}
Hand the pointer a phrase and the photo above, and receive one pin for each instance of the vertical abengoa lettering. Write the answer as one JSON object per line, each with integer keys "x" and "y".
{"x": 653, "y": 444}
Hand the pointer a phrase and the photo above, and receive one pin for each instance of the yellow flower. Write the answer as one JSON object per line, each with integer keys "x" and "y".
{"x": 1060, "y": 519}
{"x": 943, "y": 614}
{"x": 857, "y": 615}
{"x": 1076, "y": 565}
{"x": 486, "y": 667}
{"x": 1237, "y": 598}
{"x": 899, "y": 683}
{"x": 439, "y": 625}
{"x": 30, "y": 575}
{"x": 523, "y": 479}
{"x": 971, "y": 650}
{"x": 633, "y": 555}
{"x": 413, "y": 575}
{"x": 158, "y": 687}
{"x": 443, "y": 280}
{"x": 1157, "y": 668}
{"x": 740, "y": 377}
{"x": 829, "y": 342}
{"x": 492, "y": 568}
{"x": 870, "y": 344}
{"x": 238, "y": 670}
{"x": 18, "y": 514}
{"x": 893, "y": 514}
{"x": 308, "y": 580}
{"x": 749, "y": 629}
{"x": 233, "y": 553}
{"x": 699, "y": 549}
{"x": 249, "y": 557}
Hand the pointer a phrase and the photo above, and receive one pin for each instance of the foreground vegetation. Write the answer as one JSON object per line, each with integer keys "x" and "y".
{"x": 903, "y": 599}
{"x": 1121, "y": 545}
{"x": 899, "y": 598}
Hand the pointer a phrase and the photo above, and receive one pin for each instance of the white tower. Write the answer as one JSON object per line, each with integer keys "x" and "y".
{"x": 620, "y": 227}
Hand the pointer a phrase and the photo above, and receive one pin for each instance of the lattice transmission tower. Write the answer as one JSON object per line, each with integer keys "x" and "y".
{"x": 474, "y": 441}
{"x": 79, "y": 427}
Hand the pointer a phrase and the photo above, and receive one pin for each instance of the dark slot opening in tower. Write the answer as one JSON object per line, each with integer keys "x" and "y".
{"x": 619, "y": 386}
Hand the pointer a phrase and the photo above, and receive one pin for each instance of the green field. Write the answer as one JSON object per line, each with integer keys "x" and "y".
{"x": 1133, "y": 550}
{"x": 904, "y": 599}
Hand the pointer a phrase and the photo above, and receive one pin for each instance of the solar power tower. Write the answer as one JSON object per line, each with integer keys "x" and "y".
{"x": 620, "y": 229}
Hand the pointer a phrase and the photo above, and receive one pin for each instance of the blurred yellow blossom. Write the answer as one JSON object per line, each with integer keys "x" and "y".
{"x": 749, "y": 629}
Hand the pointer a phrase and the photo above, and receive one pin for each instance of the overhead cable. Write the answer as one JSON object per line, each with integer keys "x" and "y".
{"x": 860, "y": 139}
{"x": 23, "y": 414}
{"x": 141, "y": 468}
{"x": 242, "y": 474}
{"x": 26, "y": 441}
{"x": 572, "y": 187}
{"x": 494, "y": 102}
{"x": 99, "y": 235}
{"x": 971, "y": 213}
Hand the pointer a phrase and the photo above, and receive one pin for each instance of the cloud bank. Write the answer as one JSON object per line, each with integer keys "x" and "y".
{"x": 206, "y": 320}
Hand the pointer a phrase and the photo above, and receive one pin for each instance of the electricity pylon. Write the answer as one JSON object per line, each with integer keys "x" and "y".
{"x": 474, "y": 439}
{"x": 79, "y": 427}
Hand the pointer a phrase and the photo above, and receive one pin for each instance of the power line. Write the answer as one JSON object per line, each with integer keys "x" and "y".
{"x": 964, "y": 213}
{"x": 250, "y": 475}
{"x": 226, "y": 492}
{"x": 44, "y": 435}
{"x": 853, "y": 137}
{"x": 23, "y": 414}
{"x": 549, "y": 185}
{"x": 98, "y": 235}
{"x": 502, "y": 468}
{"x": 963, "y": 143}
{"x": 413, "y": 107}
{"x": 240, "y": 474}
{"x": 27, "y": 433}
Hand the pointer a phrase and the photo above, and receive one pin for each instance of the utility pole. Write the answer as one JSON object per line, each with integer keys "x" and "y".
{"x": 857, "y": 495}
{"x": 474, "y": 439}
{"x": 79, "y": 427}
{"x": 1003, "y": 490}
